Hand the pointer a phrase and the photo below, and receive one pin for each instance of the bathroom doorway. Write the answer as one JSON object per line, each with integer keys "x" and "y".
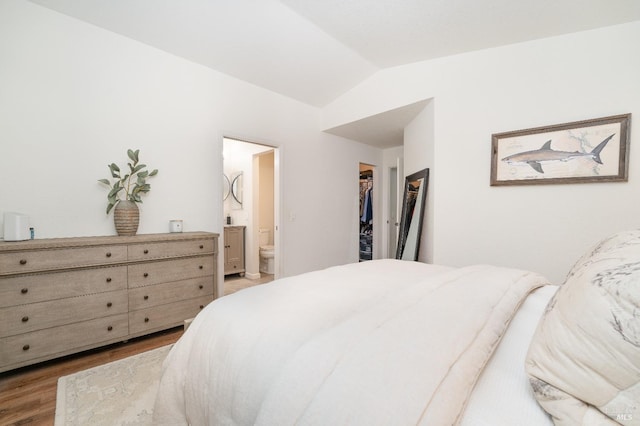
{"x": 264, "y": 214}
{"x": 250, "y": 206}
{"x": 366, "y": 186}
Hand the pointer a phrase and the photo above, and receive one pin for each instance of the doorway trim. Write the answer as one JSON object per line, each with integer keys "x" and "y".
{"x": 249, "y": 217}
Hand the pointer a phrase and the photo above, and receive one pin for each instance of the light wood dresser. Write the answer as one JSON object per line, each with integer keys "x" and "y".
{"x": 64, "y": 295}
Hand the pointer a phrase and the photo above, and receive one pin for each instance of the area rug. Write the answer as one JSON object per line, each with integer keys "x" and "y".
{"x": 118, "y": 393}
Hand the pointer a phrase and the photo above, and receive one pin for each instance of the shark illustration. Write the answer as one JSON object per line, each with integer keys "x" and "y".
{"x": 536, "y": 157}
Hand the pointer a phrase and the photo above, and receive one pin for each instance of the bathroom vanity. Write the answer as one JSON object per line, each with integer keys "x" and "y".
{"x": 234, "y": 262}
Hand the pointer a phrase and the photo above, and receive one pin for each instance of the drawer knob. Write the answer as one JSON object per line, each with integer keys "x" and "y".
{"x": 25, "y": 348}
{"x": 201, "y": 267}
{"x": 24, "y": 291}
{"x": 25, "y": 318}
{"x": 201, "y": 246}
{"x": 109, "y": 328}
{"x": 108, "y": 254}
{"x": 146, "y": 274}
{"x": 109, "y": 304}
{"x": 200, "y": 286}
{"x": 108, "y": 279}
{"x": 23, "y": 261}
{"x": 146, "y": 297}
{"x": 146, "y": 251}
{"x": 146, "y": 319}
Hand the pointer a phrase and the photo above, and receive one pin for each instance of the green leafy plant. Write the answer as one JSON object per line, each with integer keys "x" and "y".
{"x": 134, "y": 183}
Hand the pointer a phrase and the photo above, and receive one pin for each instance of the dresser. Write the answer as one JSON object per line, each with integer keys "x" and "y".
{"x": 64, "y": 295}
{"x": 234, "y": 250}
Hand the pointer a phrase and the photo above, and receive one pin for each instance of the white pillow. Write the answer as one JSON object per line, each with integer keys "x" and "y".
{"x": 584, "y": 359}
{"x": 502, "y": 395}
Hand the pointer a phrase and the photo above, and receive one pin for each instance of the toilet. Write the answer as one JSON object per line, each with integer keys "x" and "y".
{"x": 266, "y": 251}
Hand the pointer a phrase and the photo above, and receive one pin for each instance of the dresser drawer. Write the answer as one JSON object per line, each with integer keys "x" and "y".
{"x": 43, "y": 260}
{"x": 165, "y": 316}
{"x": 43, "y": 343}
{"x": 160, "y": 294}
{"x": 169, "y": 270}
{"x": 23, "y": 289}
{"x": 171, "y": 249}
{"x": 37, "y": 316}
{"x": 60, "y": 296}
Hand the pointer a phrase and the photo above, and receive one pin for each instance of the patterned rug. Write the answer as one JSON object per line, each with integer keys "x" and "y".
{"x": 118, "y": 393}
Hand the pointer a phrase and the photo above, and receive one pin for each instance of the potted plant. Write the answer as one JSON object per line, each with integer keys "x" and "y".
{"x": 134, "y": 183}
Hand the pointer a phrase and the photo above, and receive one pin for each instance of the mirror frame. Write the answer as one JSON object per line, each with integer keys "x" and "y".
{"x": 226, "y": 187}
{"x": 419, "y": 206}
{"x": 236, "y": 188}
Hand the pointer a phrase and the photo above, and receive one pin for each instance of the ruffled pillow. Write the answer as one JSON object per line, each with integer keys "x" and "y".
{"x": 584, "y": 359}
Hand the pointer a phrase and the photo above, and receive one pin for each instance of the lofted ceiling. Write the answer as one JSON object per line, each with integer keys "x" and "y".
{"x": 315, "y": 50}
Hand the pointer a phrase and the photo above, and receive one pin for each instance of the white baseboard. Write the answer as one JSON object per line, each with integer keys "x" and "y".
{"x": 252, "y": 276}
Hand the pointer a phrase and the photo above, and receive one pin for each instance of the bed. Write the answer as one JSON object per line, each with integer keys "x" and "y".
{"x": 390, "y": 342}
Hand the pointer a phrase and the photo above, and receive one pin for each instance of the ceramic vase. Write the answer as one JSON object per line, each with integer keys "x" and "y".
{"x": 126, "y": 217}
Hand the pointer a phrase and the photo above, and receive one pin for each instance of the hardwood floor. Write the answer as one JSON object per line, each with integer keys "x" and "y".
{"x": 233, "y": 283}
{"x": 28, "y": 394}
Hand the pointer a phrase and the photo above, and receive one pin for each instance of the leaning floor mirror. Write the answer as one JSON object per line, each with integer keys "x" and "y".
{"x": 413, "y": 205}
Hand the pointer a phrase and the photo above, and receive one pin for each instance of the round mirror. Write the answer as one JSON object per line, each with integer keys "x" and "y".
{"x": 226, "y": 187}
{"x": 236, "y": 188}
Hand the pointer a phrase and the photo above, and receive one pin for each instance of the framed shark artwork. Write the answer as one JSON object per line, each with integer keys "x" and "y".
{"x": 583, "y": 151}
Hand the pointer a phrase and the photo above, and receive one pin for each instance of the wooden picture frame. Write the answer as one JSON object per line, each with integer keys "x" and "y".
{"x": 583, "y": 151}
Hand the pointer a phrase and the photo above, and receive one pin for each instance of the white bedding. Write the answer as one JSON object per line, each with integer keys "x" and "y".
{"x": 380, "y": 342}
{"x": 503, "y": 395}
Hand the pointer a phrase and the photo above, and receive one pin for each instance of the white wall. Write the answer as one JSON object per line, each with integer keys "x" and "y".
{"x": 75, "y": 97}
{"x": 419, "y": 154}
{"x": 550, "y": 81}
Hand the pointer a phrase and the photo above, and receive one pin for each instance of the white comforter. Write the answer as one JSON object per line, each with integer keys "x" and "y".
{"x": 375, "y": 343}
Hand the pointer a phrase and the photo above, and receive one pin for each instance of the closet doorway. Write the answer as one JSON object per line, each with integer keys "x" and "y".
{"x": 365, "y": 219}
